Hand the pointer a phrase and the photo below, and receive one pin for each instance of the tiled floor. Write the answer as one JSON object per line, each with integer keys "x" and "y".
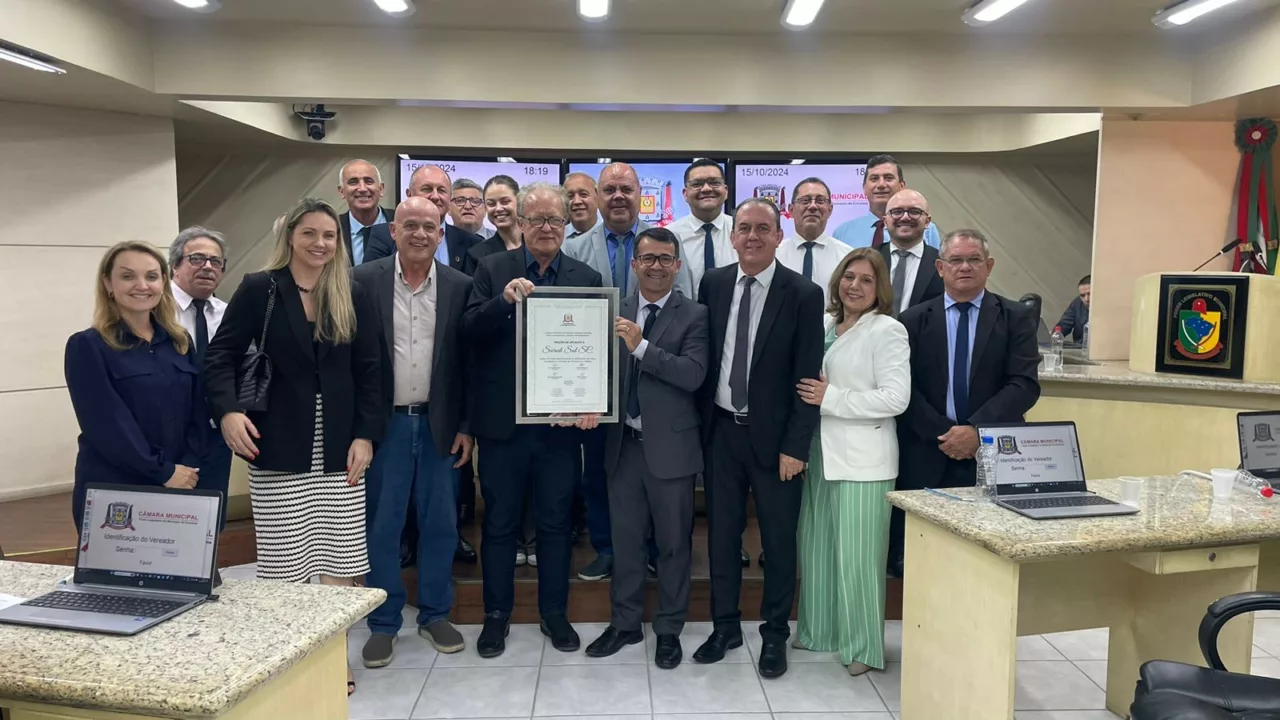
{"x": 1059, "y": 677}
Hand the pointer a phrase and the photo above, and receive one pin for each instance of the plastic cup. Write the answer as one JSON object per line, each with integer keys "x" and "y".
{"x": 1224, "y": 482}
{"x": 1131, "y": 491}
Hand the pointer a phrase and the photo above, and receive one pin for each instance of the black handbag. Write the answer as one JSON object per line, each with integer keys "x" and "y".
{"x": 255, "y": 371}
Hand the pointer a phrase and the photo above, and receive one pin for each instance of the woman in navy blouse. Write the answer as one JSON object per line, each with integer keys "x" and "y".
{"x": 133, "y": 384}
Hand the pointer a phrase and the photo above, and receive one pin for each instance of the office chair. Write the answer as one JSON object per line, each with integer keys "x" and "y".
{"x": 1176, "y": 691}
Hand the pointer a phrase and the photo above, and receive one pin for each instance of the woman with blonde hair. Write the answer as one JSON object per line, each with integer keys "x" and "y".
{"x": 134, "y": 388}
{"x": 844, "y": 517}
{"x": 309, "y": 444}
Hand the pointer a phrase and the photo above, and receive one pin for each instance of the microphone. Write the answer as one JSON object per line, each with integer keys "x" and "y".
{"x": 1225, "y": 249}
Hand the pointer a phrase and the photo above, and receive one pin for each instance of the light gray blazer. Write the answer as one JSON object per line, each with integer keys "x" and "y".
{"x": 591, "y": 248}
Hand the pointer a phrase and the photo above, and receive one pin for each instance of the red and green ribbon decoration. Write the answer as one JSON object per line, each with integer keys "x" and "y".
{"x": 1256, "y": 222}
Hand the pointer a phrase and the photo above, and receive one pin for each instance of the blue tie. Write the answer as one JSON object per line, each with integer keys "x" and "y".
{"x": 960, "y": 373}
{"x": 808, "y": 260}
{"x": 621, "y": 268}
{"x": 633, "y": 396}
{"x": 708, "y": 250}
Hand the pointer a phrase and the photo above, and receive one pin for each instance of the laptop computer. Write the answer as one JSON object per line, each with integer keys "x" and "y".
{"x": 1040, "y": 474}
{"x": 1259, "y": 434}
{"x": 145, "y": 555}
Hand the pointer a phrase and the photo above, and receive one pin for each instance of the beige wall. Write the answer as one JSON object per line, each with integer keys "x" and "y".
{"x": 1164, "y": 196}
{"x": 75, "y": 183}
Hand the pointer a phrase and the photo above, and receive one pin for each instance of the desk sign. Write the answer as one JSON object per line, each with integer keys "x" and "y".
{"x": 1201, "y": 325}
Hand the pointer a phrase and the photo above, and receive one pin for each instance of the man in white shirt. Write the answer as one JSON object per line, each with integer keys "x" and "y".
{"x": 198, "y": 258}
{"x": 882, "y": 181}
{"x": 705, "y": 242}
{"x": 466, "y": 207}
{"x": 912, "y": 264}
{"x": 360, "y": 183}
{"x": 811, "y": 251}
{"x": 584, "y": 204}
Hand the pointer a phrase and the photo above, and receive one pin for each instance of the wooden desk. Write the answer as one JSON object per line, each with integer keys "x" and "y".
{"x": 264, "y": 650}
{"x": 979, "y": 576}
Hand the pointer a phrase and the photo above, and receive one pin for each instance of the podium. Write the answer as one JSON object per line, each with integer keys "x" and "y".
{"x": 1207, "y": 324}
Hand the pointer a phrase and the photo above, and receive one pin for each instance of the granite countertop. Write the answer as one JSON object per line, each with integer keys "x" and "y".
{"x": 1118, "y": 373}
{"x": 198, "y": 664}
{"x": 1175, "y": 513}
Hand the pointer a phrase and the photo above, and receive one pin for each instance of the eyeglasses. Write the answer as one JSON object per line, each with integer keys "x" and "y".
{"x": 467, "y": 202}
{"x": 713, "y": 183}
{"x": 970, "y": 261}
{"x": 913, "y": 213}
{"x": 807, "y": 200}
{"x": 554, "y": 223}
{"x": 648, "y": 259}
{"x": 198, "y": 260}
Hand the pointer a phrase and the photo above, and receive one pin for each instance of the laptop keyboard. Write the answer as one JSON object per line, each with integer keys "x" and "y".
{"x": 109, "y": 604}
{"x": 1058, "y": 502}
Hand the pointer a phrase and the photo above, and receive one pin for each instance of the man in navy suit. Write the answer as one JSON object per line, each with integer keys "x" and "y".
{"x": 360, "y": 184}
{"x": 433, "y": 183}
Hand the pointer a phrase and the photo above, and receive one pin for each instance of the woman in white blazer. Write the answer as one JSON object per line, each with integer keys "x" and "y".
{"x": 844, "y": 521}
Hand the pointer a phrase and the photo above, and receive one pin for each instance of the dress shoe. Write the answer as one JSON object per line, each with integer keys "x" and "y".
{"x": 493, "y": 636}
{"x": 408, "y": 556}
{"x": 773, "y": 659}
{"x": 746, "y": 559}
{"x": 612, "y": 640}
{"x": 669, "y": 653}
{"x": 856, "y": 668}
{"x": 464, "y": 553}
{"x": 466, "y": 514}
{"x": 760, "y": 560}
{"x": 720, "y": 642}
{"x": 563, "y": 637}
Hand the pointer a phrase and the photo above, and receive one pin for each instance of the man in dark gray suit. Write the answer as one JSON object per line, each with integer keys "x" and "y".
{"x": 651, "y": 457}
{"x": 419, "y": 303}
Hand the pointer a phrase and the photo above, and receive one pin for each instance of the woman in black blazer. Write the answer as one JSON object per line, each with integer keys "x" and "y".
{"x": 308, "y": 451}
{"x": 500, "y": 204}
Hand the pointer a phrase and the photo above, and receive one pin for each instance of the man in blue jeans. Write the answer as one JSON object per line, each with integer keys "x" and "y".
{"x": 419, "y": 306}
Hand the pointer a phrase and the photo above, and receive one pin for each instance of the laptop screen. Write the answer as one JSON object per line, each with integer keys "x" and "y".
{"x": 148, "y": 537}
{"x": 1037, "y": 458}
{"x": 1260, "y": 443}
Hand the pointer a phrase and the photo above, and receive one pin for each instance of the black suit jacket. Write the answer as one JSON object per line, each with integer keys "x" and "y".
{"x": 1003, "y": 379}
{"x": 347, "y": 377}
{"x": 344, "y": 222}
{"x": 788, "y": 348}
{"x": 446, "y": 410}
{"x": 490, "y": 326}
{"x": 481, "y": 250}
{"x": 928, "y": 283}
{"x": 458, "y": 241}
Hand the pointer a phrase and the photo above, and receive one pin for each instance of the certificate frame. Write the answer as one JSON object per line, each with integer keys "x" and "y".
{"x": 585, "y": 318}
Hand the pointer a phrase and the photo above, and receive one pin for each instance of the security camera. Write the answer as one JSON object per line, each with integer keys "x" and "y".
{"x": 315, "y": 117}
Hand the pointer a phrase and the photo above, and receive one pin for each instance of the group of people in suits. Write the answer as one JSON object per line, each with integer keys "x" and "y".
{"x": 815, "y": 395}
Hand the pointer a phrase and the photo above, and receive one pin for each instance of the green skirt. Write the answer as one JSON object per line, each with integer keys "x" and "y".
{"x": 843, "y": 545}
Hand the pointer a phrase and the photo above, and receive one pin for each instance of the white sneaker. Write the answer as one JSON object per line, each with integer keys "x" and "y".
{"x": 521, "y": 558}
{"x": 533, "y": 559}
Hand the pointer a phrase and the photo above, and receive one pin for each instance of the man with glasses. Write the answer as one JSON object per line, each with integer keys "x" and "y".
{"x": 517, "y": 455}
{"x": 653, "y": 456}
{"x": 882, "y": 181}
{"x": 360, "y": 184}
{"x": 973, "y": 362}
{"x": 198, "y": 259}
{"x": 704, "y": 232}
{"x": 466, "y": 207}
{"x": 811, "y": 251}
{"x": 912, "y": 264}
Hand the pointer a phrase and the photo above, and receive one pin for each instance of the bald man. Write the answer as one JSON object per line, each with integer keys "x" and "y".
{"x": 420, "y": 302}
{"x": 360, "y": 184}
{"x": 432, "y": 183}
{"x": 913, "y": 272}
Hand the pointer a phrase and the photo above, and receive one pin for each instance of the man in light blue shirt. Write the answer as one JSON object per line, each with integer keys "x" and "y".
{"x": 882, "y": 181}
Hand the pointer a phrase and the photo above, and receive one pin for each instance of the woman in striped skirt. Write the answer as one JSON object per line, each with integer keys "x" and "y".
{"x": 844, "y": 519}
{"x": 308, "y": 450}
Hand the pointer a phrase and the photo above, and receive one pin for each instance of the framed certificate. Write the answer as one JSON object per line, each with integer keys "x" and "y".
{"x": 566, "y": 355}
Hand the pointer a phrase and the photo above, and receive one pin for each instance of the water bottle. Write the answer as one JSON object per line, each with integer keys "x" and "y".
{"x": 1253, "y": 485}
{"x": 1053, "y": 361}
{"x": 1086, "y": 335}
{"x": 987, "y": 469}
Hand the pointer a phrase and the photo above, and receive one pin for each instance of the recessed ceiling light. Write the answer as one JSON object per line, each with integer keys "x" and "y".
{"x": 799, "y": 14}
{"x": 1184, "y": 12}
{"x": 204, "y": 6}
{"x": 989, "y": 11}
{"x": 798, "y": 161}
{"x": 29, "y": 60}
{"x": 593, "y": 10}
{"x": 604, "y": 161}
{"x": 506, "y": 159}
{"x": 396, "y": 8}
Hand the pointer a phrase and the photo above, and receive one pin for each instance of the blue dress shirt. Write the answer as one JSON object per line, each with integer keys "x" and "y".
{"x": 357, "y": 242}
{"x": 531, "y": 269}
{"x": 953, "y": 322}
{"x": 856, "y": 233}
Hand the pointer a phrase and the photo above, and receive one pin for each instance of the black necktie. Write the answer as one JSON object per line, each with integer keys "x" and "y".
{"x": 364, "y": 246}
{"x": 741, "y": 348}
{"x": 202, "y": 330}
{"x": 899, "y": 280}
{"x": 808, "y": 260}
{"x": 960, "y": 372}
{"x": 633, "y": 397}
{"x": 708, "y": 250}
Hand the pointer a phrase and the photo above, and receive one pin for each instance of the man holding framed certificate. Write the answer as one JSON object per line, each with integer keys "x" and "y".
{"x": 569, "y": 334}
